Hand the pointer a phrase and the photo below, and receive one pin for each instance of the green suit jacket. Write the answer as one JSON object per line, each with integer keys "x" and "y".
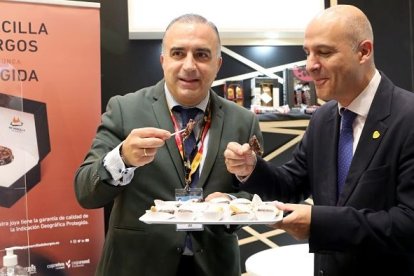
{"x": 131, "y": 246}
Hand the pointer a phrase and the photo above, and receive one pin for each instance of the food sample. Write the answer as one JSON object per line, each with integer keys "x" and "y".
{"x": 255, "y": 145}
{"x": 161, "y": 212}
{"x": 239, "y": 212}
{"x": 266, "y": 212}
{"x": 6, "y": 156}
{"x": 220, "y": 200}
{"x": 241, "y": 200}
{"x": 163, "y": 203}
{"x": 162, "y": 209}
{"x": 188, "y": 129}
{"x": 213, "y": 213}
{"x": 184, "y": 214}
{"x": 162, "y": 206}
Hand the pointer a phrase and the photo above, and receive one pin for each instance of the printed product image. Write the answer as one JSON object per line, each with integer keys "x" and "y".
{"x": 24, "y": 143}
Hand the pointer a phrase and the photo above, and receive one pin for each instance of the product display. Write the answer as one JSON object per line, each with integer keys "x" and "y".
{"x": 233, "y": 91}
{"x": 265, "y": 92}
{"x": 24, "y": 143}
{"x": 299, "y": 89}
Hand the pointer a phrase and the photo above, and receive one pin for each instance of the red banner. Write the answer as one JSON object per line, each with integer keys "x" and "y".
{"x": 49, "y": 110}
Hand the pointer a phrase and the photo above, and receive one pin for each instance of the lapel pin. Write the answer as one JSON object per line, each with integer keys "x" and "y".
{"x": 376, "y": 134}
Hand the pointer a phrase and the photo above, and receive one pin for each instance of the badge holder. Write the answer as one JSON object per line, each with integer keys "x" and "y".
{"x": 185, "y": 195}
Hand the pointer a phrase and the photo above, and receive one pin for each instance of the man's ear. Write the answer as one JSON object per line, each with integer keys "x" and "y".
{"x": 365, "y": 50}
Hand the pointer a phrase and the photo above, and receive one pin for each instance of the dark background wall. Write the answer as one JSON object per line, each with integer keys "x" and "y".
{"x": 128, "y": 65}
{"x": 393, "y": 25}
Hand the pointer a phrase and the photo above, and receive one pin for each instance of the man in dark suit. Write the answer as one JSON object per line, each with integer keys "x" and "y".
{"x": 366, "y": 225}
{"x": 134, "y": 160}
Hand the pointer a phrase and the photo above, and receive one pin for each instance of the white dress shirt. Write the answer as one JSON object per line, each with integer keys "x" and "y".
{"x": 361, "y": 105}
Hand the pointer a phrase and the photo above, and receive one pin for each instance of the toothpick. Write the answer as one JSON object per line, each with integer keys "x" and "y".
{"x": 177, "y": 132}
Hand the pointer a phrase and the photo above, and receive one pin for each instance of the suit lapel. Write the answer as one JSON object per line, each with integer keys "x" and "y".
{"x": 163, "y": 117}
{"x": 371, "y": 136}
{"x": 327, "y": 158}
{"x": 214, "y": 134}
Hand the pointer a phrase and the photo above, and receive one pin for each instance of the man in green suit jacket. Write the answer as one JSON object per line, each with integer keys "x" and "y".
{"x": 134, "y": 160}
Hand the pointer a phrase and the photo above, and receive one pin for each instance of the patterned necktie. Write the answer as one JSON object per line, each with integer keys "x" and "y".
{"x": 345, "y": 144}
{"x": 190, "y": 141}
{"x": 190, "y": 147}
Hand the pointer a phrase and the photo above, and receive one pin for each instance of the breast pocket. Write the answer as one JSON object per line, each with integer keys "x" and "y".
{"x": 375, "y": 189}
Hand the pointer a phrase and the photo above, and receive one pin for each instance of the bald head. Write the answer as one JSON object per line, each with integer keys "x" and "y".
{"x": 353, "y": 23}
{"x": 339, "y": 47}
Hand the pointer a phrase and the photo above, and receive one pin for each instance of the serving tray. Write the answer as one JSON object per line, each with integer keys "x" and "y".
{"x": 150, "y": 218}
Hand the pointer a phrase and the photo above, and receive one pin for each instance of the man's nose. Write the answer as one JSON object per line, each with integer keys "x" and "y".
{"x": 312, "y": 63}
{"x": 189, "y": 63}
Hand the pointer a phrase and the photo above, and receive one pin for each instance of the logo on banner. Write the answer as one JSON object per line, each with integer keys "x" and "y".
{"x": 16, "y": 125}
{"x": 69, "y": 264}
{"x": 56, "y": 266}
{"x": 16, "y": 121}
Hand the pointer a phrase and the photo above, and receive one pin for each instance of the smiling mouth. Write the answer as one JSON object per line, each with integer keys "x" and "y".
{"x": 188, "y": 80}
{"x": 319, "y": 82}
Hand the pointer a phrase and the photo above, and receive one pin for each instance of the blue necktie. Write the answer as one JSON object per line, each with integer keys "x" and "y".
{"x": 345, "y": 143}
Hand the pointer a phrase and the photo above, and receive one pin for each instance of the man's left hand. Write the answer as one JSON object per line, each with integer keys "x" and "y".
{"x": 297, "y": 222}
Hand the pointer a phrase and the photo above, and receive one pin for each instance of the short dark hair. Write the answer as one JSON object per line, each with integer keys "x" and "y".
{"x": 194, "y": 18}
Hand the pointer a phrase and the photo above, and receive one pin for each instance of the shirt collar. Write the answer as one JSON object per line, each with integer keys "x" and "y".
{"x": 172, "y": 102}
{"x": 361, "y": 104}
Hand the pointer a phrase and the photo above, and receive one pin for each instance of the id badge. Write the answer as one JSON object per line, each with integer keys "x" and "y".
{"x": 184, "y": 195}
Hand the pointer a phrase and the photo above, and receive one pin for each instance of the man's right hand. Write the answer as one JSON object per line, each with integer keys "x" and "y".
{"x": 141, "y": 145}
{"x": 240, "y": 159}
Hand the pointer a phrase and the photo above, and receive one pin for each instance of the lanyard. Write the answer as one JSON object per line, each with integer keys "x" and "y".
{"x": 190, "y": 167}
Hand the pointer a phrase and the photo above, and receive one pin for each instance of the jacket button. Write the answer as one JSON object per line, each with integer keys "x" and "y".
{"x": 322, "y": 273}
{"x": 179, "y": 250}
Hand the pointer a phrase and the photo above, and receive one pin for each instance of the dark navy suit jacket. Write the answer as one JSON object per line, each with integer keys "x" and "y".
{"x": 369, "y": 230}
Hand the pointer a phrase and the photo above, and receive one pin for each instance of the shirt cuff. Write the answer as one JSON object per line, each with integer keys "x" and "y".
{"x": 243, "y": 179}
{"x": 121, "y": 175}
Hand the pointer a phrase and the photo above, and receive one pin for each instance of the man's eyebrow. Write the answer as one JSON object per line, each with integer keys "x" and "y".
{"x": 176, "y": 49}
{"x": 322, "y": 45}
{"x": 203, "y": 50}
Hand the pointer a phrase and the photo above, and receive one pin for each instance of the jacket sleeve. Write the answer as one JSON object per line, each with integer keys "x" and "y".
{"x": 91, "y": 179}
